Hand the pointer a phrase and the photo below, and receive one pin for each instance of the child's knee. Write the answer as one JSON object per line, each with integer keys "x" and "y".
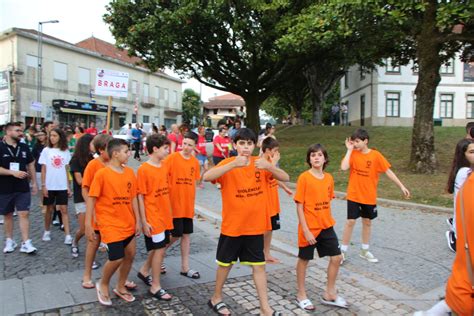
{"x": 350, "y": 222}
{"x": 366, "y": 222}
{"x": 335, "y": 260}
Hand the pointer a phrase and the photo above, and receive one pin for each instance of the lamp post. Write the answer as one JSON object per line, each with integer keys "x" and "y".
{"x": 40, "y": 61}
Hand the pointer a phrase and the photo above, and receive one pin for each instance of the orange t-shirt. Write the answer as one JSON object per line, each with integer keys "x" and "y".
{"x": 91, "y": 169}
{"x": 114, "y": 193}
{"x": 364, "y": 176}
{"x": 183, "y": 174}
{"x": 459, "y": 293}
{"x": 244, "y": 200}
{"x": 315, "y": 195}
{"x": 153, "y": 185}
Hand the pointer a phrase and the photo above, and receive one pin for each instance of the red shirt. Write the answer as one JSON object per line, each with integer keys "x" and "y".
{"x": 224, "y": 142}
{"x": 92, "y": 131}
{"x": 177, "y": 139}
{"x": 201, "y": 145}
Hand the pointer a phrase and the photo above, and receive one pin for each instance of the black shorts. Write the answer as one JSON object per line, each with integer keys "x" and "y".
{"x": 182, "y": 226}
{"x": 56, "y": 198}
{"x": 247, "y": 249}
{"x": 216, "y": 160}
{"x": 20, "y": 201}
{"x": 275, "y": 222}
{"x": 326, "y": 244}
{"x": 356, "y": 210}
{"x": 150, "y": 245}
{"x": 116, "y": 249}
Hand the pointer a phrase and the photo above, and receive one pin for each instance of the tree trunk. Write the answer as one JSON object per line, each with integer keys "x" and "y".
{"x": 317, "y": 108}
{"x": 423, "y": 158}
{"x": 252, "y": 118}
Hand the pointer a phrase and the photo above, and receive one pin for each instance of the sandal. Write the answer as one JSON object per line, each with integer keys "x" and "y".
{"x": 105, "y": 302}
{"x": 88, "y": 285}
{"x": 95, "y": 265}
{"x": 130, "y": 285}
{"x": 191, "y": 274}
{"x": 306, "y": 305}
{"x": 146, "y": 279}
{"x": 339, "y": 302}
{"x": 126, "y": 296}
{"x": 217, "y": 307}
{"x": 163, "y": 268}
{"x": 160, "y": 293}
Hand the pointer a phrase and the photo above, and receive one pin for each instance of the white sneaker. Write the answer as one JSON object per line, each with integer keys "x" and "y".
{"x": 10, "y": 246}
{"x": 367, "y": 255}
{"x": 1, "y": 221}
{"x": 47, "y": 236}
{"x": 68, "y": 240}
{"x": 27, "y": 247}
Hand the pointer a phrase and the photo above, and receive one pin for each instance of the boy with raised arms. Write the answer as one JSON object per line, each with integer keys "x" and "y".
{"x": 113, "y": 201}
{"x": 314, "y": 192}
{"x": 183, "y": 173}
{"x": 365, "y": 166}
{"x": 245, "y": 217}
{"x": 155, "y": 211}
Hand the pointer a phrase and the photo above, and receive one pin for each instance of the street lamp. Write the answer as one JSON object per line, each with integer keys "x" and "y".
{"x": 40, "y": 61}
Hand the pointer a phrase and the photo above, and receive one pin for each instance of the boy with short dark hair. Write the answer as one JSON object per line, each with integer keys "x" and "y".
{"x": 112, "y": 197}
{"x": 155, "y": 211}
{"x": 365, "y": 165}
{"x": 183, "y": 173}
{"x": 245, "y": 217}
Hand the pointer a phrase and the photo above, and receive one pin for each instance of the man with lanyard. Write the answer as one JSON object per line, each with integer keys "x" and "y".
{"x": 16, "y": 167}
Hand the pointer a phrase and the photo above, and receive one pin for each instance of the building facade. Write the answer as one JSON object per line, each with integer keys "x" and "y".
{"x": 68, "y": 81}
{"x": 224, "y": 106}
{"x": 386, "y": 96}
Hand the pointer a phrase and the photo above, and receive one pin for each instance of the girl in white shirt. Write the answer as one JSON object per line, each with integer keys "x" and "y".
{"x": 54, "y": 161}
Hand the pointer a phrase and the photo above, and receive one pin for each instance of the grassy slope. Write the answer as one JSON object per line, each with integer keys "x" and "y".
{"x": 393, "y": 142}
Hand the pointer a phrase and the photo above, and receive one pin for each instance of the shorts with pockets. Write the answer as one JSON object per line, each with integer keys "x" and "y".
{"x": 116, "y": 249}
{"x": 326, "y": 244}
{"x": 182, "y": 226}
{"x": 275, "y": 222}
{"x": 248, "y": 249}
{"x": 80, "y": 208}
{"x": 356, "y": 210}
{"x": 202, "y": 159}
{"x": 150, "y": 245}
{"x": 56, "y": 198}
{"x": 20, "y": 201}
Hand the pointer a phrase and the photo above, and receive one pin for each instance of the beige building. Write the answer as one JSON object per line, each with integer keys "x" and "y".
{"x": 68, "y": 81}
{"x": 225, "y": 106}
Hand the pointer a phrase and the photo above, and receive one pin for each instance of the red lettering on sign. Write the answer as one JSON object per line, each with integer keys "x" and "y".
{"x": 99, "y": 83}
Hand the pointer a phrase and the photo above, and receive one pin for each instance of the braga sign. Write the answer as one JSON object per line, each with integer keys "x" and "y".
{"x": 111, "y": 83}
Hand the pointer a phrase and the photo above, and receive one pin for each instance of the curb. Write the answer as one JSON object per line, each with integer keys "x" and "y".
{"x": 394, "y": 203}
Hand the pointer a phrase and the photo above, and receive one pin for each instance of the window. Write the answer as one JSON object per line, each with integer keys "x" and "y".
{"x": 391, "y": 68}
{"x": 447, "y": 68}
{"x": 166, "y": 96}
{"x": 157, "y": 92}
{"x": 134, "y": 86}
{"x": 146, "y": 119}
{"x": 392, "y": 103}
{"x": 146, "y": 90}
{"x": 84, "y": 76}
{"x": 60, "y": 71}
{"x": 346, "y": 80}
{"x": 134, "y": 118}
{"x": 175, "y": 97}
{"x": 470, "y": 106}
{"x": 446, "y": 106}
{"x": 31, "y": 61}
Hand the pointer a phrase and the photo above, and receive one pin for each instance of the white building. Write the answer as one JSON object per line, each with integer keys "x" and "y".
{"x": 68, "y": 80}
{"x": 386, "y": 96}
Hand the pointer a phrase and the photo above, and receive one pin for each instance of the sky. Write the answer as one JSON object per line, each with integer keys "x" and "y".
{"x": 78, "y": 20}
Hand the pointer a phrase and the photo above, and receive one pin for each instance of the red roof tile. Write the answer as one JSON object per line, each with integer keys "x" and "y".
{"x": 107, "y": 49}
{"x": 228, "y": 96}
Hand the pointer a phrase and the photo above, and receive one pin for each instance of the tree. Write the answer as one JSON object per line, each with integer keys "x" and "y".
{"x": 191, "y": 105}
{"x": 227, "y": 45}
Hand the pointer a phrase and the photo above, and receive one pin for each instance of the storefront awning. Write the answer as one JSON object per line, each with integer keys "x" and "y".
{"x": 85, "y": 112}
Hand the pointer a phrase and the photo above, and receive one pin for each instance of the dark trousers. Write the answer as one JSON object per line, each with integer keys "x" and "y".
{"x": 136, "y": 147}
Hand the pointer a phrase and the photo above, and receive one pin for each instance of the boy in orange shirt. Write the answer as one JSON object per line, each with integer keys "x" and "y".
{"x": 245, "y": 216}
{"x": 113, "y": 201}
{"x": 155, "y": 210}
{"x": 183, "y": 170}
{"x": 99, "y": 146}
{"x": 365, "y": 165}
{"x": 314, "y": 192}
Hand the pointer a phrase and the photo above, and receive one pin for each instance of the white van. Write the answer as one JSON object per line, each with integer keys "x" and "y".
{"x": 125, "y": 133}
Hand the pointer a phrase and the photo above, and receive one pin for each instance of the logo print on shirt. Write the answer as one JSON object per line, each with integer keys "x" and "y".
{"x": 57, "y": 162}
{"x": 129, "y": 186}
{"x": 192, "y": 172}
{"x": 257, "y": 176}
{"x": 369, "y": 163}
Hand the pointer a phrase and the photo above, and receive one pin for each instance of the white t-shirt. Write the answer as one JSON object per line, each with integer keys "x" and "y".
{"x": 461, "y": 177}
{"x": 55, "y": 161}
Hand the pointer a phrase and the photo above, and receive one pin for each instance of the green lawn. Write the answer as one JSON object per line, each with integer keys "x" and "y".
{"x": 393, "y": 142}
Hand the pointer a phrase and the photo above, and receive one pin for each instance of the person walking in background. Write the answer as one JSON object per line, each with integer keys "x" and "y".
{"x": 335, "y": 115}
{"x": 92, "y": 129}
{"x": 344, "y": 114}
{"x": 136, "y": 140}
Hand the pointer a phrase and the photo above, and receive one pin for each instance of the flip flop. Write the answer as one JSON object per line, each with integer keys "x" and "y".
{"x": 339, "y": 302}
{"x": 273, "y": 261}
{"x": 306, "y": 305}
{"x": 163, "y": 268}
{"x": 124, "y": 295}
{"x": 217, "y": 307}
{"x": 160, "y": 293}
{"x": 130, "y": 285}
{"x": 88, "y": 285}
{"x": 99, "y": 297}
{"x": 191, "y": 274}
{"x": 146, "y": 279}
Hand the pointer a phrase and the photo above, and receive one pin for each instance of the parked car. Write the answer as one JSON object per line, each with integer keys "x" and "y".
{"x": 123, "y": 132}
